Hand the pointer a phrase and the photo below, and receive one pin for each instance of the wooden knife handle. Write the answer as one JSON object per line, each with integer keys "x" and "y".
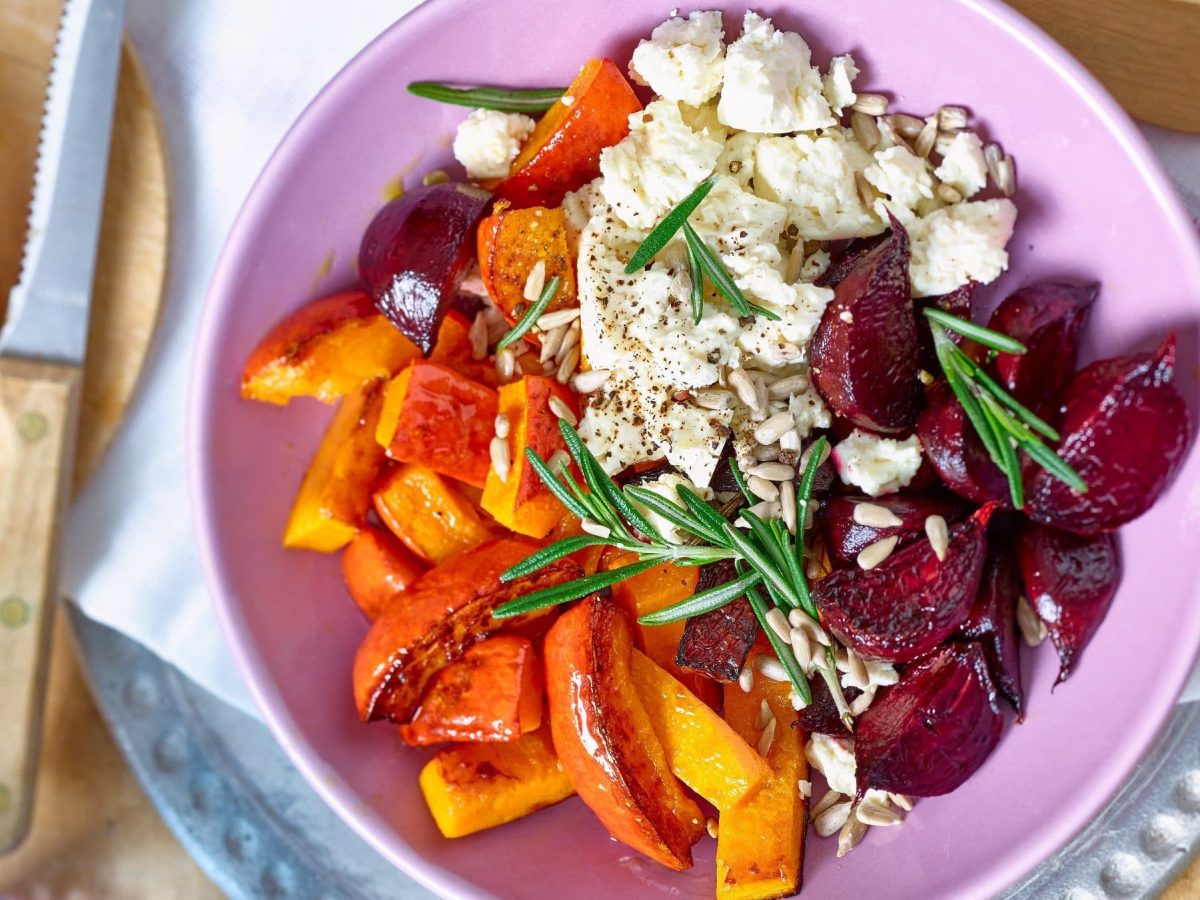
{"x": 38, "y": 403}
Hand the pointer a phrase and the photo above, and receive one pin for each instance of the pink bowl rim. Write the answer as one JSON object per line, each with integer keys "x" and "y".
{"x": 201, "y": 481}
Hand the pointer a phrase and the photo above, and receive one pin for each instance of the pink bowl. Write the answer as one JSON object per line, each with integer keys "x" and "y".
{"x": 1094, "y": 204}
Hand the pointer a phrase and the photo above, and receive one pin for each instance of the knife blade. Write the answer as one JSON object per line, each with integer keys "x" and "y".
{"x": 42, "y": 347}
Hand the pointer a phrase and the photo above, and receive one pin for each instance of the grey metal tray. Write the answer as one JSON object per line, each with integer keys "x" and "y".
{"x": 233, "y": 799}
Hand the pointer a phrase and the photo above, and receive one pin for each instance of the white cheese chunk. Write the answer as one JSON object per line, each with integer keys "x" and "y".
{"x": 578, "y": 208}
{"x": 833, "y": 758}
{"x": 809, "y": 411}
{"x": 839, "y": 83}
{"x": 877, "y": 465}
{"x": 487, "y": 142}
{"x": 902, "y": 175}
{"x": 963, "y": 166}
{"x": 737, "y": 158}
{"x": 683, "y": 59}
{"x": 666, "y": 486}
{"x": 960, "y": 243}
{"x": 656, "y": 165}
{"x": 770, "y": 83}
{"x": 813, "y": 176}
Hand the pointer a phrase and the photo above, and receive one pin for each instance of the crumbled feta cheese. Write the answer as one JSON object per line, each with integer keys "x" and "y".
{"x": 611, "y": 426}
{"x": 683, "y": 59}
{"x": 799, "y": 306}
{"x": 770, "y": 83}
{"x": 877, "y": 465}
{"x": 656, "y": 165}
{"x": 838, "y": 83}
{"x": 963, "y": 166}
{"x": 736, "y": 223}
{"x": 833, "y": 758}
{"x": 878, "y": 674}
{"x": 813, "y": 176}
{"x": 737, "y": 158}
{"x": 815, "y": 266}
{"x": 703, "y": 120}
{"x": 487, "y": 142}
{"x": 809, "y": 411}
{"x": 960, "y": 243}
{"x": 666, "y": 486}
{"x": 578, "y": 208}
{"x": 901, "y": 175}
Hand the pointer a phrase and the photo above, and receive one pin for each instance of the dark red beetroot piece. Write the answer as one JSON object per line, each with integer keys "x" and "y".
{"x": 864, "y": 352}
{"x": 1125, "y": 431}
{"x": 717, "y": 643}
{"x": 414, "y": 255}
{"x": 932, "y": 731}
{"x": 955, "y": 451}
{"x": 993, "y": 621}
{"x": 1048, "y": 318}
{"x": 845, "y": 538}
{"x": 850, "y": 257}
{"x": 957, "y": 303}
{"x": 911, "y": 602}
{"x": 1070, "y": 581}
{"x": 821, "y": 716}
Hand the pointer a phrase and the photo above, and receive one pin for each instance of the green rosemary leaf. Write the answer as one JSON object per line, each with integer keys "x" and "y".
{"x": 572, "y": 590}
{"x": 736, "y": 471}
{"x": 759, "y": 561}
{"x": 697, "y": 275}
{"x": 716, "y": 273}
{"x": 674, "y": 513}
{"x": 816, "y": 453}
{"x": 551, "y": 554}
{"x": 524, "y": 101}
{"x": 978, "y": 333}
{"x": 596, "y": 479}
{"x": 764, "y": 537}
{"x": 573, "y": 503}
{"x": 959, "y": 384}
{"x": 1054, "y": 464}
{"x": 997, "y": 390}
{"x": 782, "y": 650}
{"x": 704, "y": 601}
{"x": 829, "y": 675}
{"x": 671, "y": 223}
{"x": 997, "y": 420}
{"x": 702, "y": 511}
{"x": 531, "y": 315}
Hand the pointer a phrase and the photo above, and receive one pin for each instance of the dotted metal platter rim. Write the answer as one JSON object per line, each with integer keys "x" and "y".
{"x": 248, "y": 818}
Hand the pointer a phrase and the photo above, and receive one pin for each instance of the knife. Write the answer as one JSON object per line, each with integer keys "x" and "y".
{"x": 42, "y": 347}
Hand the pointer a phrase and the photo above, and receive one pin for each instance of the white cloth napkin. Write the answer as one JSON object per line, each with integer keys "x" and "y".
{"x": 229, "y": 76}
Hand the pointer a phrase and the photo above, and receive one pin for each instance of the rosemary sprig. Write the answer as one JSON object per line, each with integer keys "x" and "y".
{"x": 532, "y": 314}
{"x": 522, "y": 101}
{"x": 714, "y": 270}
{"x": 671, "y": 223}
{"x": 1004, "y": 425}
{"x": 697, "y": 279}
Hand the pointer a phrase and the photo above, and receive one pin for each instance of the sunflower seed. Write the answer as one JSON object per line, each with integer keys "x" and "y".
{"x": 873, "y": 554}
{"x": 478, "y": 336}
{"x": 746, "y": 462}
{"x": 786, "y": 387}
{"x": 829, "y": 799}
{"x": 761, "y": 488}
{"x": 557, "y": 318}
{"x": 808, "y": 452}
{"x": 559, "y": 407}
{"x": 852, "y": 832}
{"x": 795, "y": 263}
{"x": 861, "y": 702}
{"x": 801, "y": 647}
{"x": 743, "y": 386}
{"x": 939, "y": 536}
{"x": 924, "y": 141}
{"x": 865, "y": 195}
{"x": 870, "y": 104}
{"x": 535, "y": 282}
{"x": 767, "y": 738}
{"x": 889, "y": 136}
{"x": 551, "y": 341}
{"x": 771, "y": 668}
{"x": 789, "y": 442}
{"x": 949, "y": 193}
{"x": 760, "y": 398}
{"x": 812, "y": 570}
{"x": 502, "y": 426}
{"x": 569, "y": 341}
{"x": 902, "y": 801}
{"x": 765, "y": 453}
{"x": 746, "y": 678}
{"x": 866, "y": 132}
{"x": 590, "y": 381}
{"x": 767, "y": 509}
{"x": 711, "y": 827}
{"x": 873, "y": 515}
{"x": 506, "y": 365}
{"x": 952, "y": 118}
{"x": 805, "y": 787}
{"x": 764, "y": 715}
{"x": 815, "y": 632}
{"x": 777, "y": 619}
{"x": 568, "y": 366}
{"x": 906, "y": 125}
{"x": 1032, "y": 628}
{"x": 501, "y": 461}
{"x": 557, "y": 460}
{"x": 856, "y": 668}
{"x": 798, "y": 702}
{"x": 787, "y": 508}
{"x": 832, "y": 819}
{"x": 1005, "y": 178}
{"x": 595, "y": 528}
{"x": 872, "y": 813}
{"x": 713, "y": 398}
{"x": 773, "y": 428}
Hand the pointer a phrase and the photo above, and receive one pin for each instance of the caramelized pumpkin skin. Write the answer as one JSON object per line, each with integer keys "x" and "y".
{"x": 604, "y": 737}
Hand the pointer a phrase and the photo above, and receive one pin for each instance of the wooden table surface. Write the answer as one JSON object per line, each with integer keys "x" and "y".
{"x": 96, "y": 835}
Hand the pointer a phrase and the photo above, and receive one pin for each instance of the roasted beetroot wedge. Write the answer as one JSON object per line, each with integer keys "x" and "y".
{"x": 993, "y": 622}
{"x": 821, "y": 716}
{"x": 1125, "y": 430}
{"x": 931, "y": 732}
{"x": 955, "y": 451}
{"x": 414, "y": 255}
{"x": 846, "y": 536}
{"x": 1048, "y": 318}
{"x": 1070, "y": 581}
{"x": 850, "y": 257}
{"x": 717, "y": 643}
{"x": 911, "y": 602}
{"x": 957, "y": 303}
{"x": 864, "y": 352}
